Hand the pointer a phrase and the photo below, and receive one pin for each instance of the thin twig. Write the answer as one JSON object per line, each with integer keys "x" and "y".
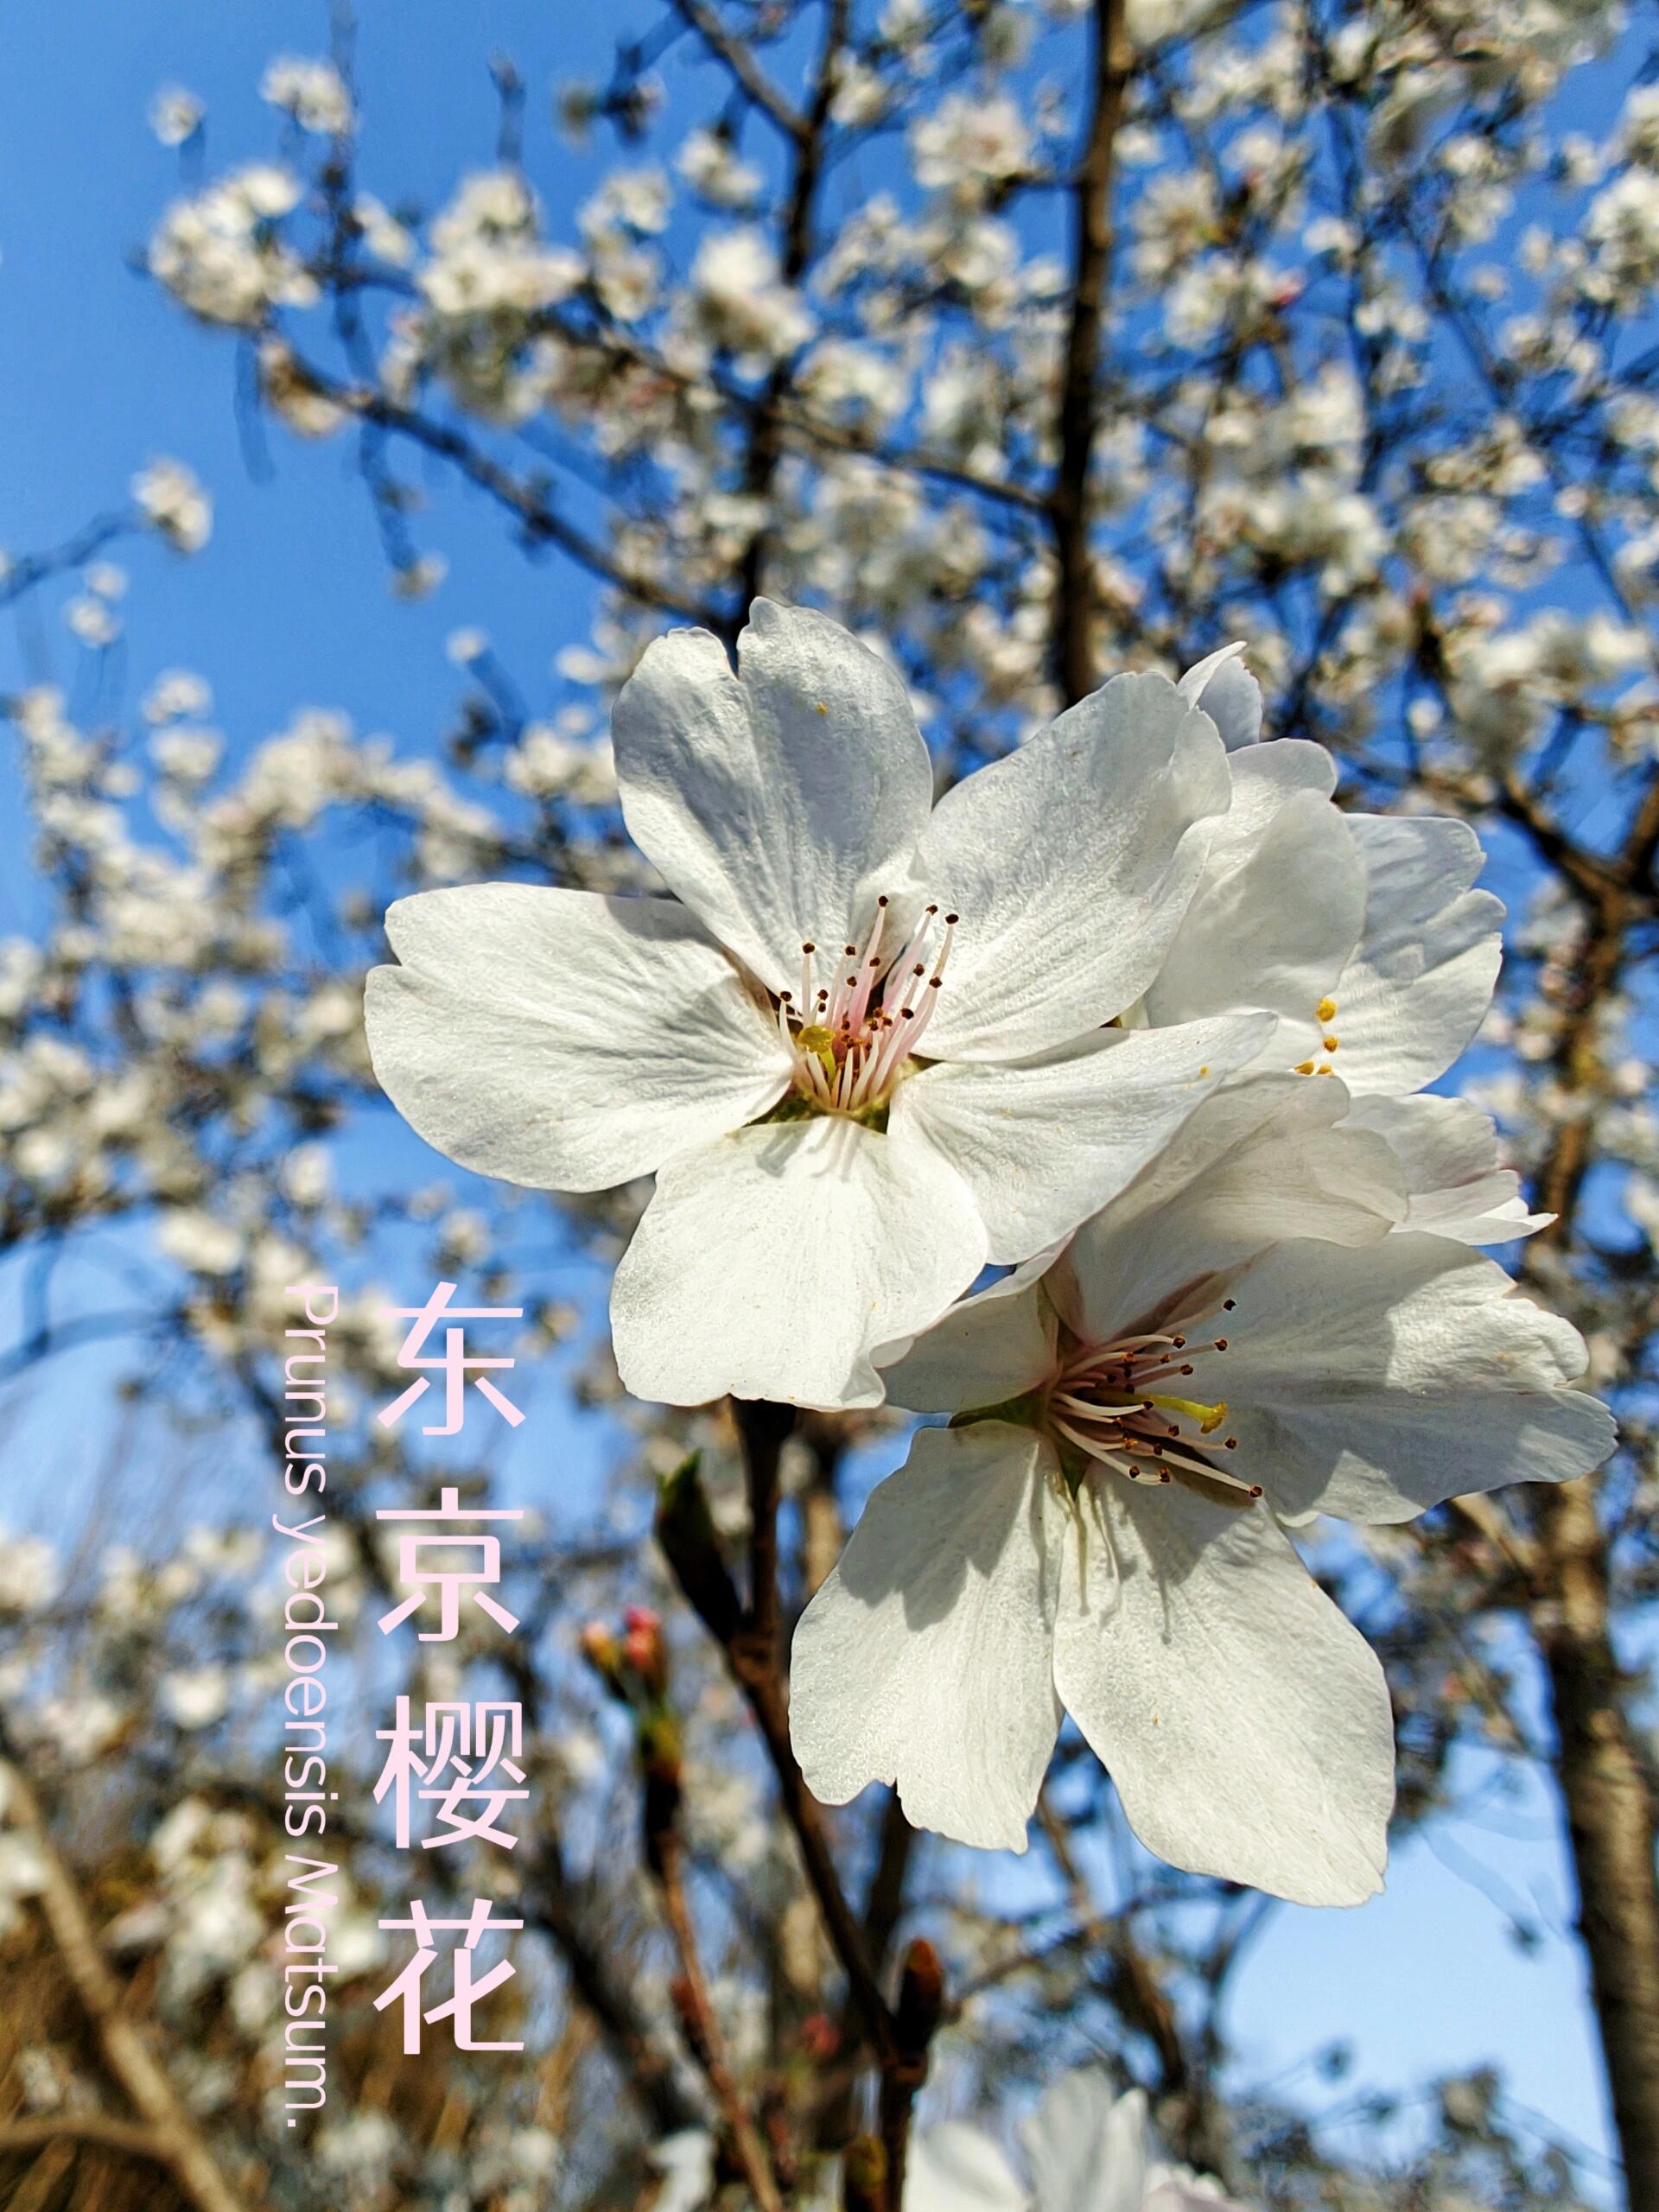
{"x": 95, "y": 2129}
{"x": 738, "y": 59}
{"x": 704, "y": 2031}
{"x": 540, "y": 519}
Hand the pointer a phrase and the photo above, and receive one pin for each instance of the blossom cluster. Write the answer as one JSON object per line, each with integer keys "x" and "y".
{"x": 1140, "y": 1019}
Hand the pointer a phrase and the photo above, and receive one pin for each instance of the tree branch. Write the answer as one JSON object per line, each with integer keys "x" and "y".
{"x": 749, "y": 1637}
{"x": 1091, "y": 260}
{"x": 179, "y": 2144}
{"x": 765, "y": 439}
{"x": 1603, "y": 1785}
{"x": 95, "y": 2129}
{"x": 541, "y": 521}
{"x": 736, "y": 58}
{"x": 705, "y": 2032}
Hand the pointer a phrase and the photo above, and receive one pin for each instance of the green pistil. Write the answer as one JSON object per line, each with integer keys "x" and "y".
{"x": 1208, "y": 1418}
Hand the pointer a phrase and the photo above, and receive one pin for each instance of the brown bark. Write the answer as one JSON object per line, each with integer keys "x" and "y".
{"x": 1091, "y": 262}
{"x": 1610, "y": 1818}
{"x": 766, "y": 434}
{"x": 1603, "y": 1785}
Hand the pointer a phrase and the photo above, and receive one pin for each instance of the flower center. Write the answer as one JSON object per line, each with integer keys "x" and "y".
{"x": 1121, "y": 1405}
{"x": 860, "y": 1015}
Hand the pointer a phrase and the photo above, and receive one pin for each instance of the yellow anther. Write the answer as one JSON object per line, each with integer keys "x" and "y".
{"x": 1326, "y": 1010}
{"x": 1303, "y": 1067}
{"x": 1330, "y": 1043}
{"x": 823, "y": 709}
{"x": 1325, "y": 1068}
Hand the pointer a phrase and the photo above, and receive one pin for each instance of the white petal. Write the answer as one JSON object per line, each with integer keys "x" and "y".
{"x": 955, "y": 2168}
{"x": 1229, "y": 694}
{"x": 771, "y": 1263}
{"x": 924, "y": 1659}
{"x": 1070, "y": 863}
{"x": 1416, "y": 990}
{"x": 1244, "y": 1722}
{"x": 1447, "y": 1151}
{"x": 1043, "y": 1145}
{"x": 686, "y": 2161}
{"x": 1265, "y": 776}
{"x": 777, "y": 804}
{"x": 1262, "y": 1160}
{"x": 1275, "y": 917}
{"x": 563, "y": 1039}
{"x": 1376, "y": 1383}
{"x": 989, "y": 1347}
{"x": 1087, "y": 2147}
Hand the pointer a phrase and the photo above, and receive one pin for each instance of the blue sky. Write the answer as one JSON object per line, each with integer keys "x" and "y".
{"x": 289, "y": 607}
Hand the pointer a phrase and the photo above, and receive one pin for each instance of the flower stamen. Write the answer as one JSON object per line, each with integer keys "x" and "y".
{"x": 1102, "y": 1401}
{"x": 849, "y": 1039}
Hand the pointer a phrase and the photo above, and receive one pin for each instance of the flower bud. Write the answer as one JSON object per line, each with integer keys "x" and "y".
{"x": 921, "y": 1997}
{"x": 604, "y": 1654}
{"x": 644, "y": 1650}
{"x": 685, "y": 1530}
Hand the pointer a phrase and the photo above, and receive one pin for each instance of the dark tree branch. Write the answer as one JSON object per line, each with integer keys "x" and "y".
{"x": 739, "y": 60}
{"x": 1091, "y": 262}
{"x": 540, "y": 521}
{"x": 1603, "y": 1782}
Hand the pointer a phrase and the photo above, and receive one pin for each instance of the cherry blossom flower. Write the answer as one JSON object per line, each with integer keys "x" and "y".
{"x": 174, "y": 503}
{"x": 1380, "y": 969}
{"x": 1087, "y": 2151}
{"x": 221, "y": 253}
{"x": 1242, "y": 1341}
{"x": 864, "y": 1049}
{"x": 175, "y": 115}
{"x": 312, "y": 92}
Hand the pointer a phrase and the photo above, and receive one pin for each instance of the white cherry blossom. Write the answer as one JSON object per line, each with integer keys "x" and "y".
{"x": 1086, "y": 2151}
{"x": 1364, "y": 935}
{"x": 1238, "y": 1344}
{"x": 864, "y": 1049}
